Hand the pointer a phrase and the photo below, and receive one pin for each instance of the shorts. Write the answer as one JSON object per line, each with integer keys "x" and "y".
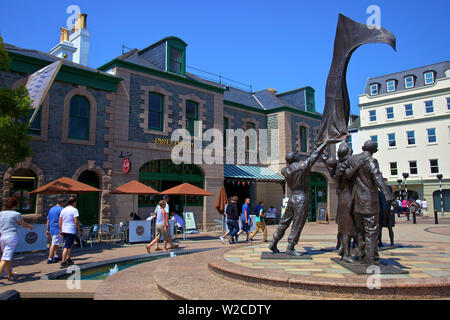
{"x": 8, "y": 243}
{"x": 68, "y": 240}
{"x": 245, "y": 227}
{"x": 56, "y": 239}
{"x": 160, "y": 232}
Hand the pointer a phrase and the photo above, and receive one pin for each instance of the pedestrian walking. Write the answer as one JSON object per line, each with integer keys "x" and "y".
{"x": 9, "y": 230}
{"x": 232, "y": 213}
{"x": 222, "y": 237}
{"x": 162, "y": 226}
{"x": 53, "y": 232}
{"x": 425, "y": 207}
{"x": 419, "y": 209}
{"x": 69, "y": 225}
{"x": 245, "y": 219}
{"x": 387, "y": 219}
{"x": 260, "y": 221}
{"x": 405, "y": 207}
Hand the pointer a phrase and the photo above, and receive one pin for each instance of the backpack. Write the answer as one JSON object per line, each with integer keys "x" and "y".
{"x": 257, "y": 210}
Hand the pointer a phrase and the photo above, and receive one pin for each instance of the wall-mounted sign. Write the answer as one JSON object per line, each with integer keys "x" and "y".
{"x": 126, "y": 165}
{"x": 168, "y": 142}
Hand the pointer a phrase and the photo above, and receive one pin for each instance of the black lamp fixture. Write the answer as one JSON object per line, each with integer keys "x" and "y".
{"x": 405, "y": 175}
{"x": 439, "y": 176}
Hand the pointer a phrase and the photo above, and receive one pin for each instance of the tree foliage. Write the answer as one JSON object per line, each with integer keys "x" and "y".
{"x": 14, "y": 112}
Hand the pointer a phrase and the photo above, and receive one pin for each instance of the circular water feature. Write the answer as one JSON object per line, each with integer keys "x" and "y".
{"x": 104, "y": 269}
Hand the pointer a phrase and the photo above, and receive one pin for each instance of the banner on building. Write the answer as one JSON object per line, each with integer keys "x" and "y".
{"x": 32, "y": 240}
{"x": 39, "y": 84}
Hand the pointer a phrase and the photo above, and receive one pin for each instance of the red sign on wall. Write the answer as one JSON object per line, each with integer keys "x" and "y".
{"x": 126, "y": 165}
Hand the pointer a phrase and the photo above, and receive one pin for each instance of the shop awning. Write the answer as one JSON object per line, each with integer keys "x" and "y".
{"x": 255, "y": 173}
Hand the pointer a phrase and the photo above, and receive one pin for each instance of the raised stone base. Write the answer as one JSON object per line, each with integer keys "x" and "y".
{"x": 360, "y": 268}
{"x": 283, "y": 255}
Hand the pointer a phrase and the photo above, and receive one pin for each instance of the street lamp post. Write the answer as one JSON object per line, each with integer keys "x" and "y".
{"x": 405, "y": 176}
{"x": 399, "y": 181}
{"x": 439, "y": 176}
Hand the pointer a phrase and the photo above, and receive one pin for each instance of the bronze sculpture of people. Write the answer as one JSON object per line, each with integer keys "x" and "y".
{"x": 367, "y": 179}
{"x": 296, "y": 174}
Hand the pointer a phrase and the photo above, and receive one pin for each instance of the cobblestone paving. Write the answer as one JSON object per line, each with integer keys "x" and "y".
{"x": 421, "y": 260}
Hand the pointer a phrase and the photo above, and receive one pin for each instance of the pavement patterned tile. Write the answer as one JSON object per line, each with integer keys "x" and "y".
{"x": 422, "y": 261}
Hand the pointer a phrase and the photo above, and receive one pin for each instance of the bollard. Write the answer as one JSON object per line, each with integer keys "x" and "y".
{"x": 414, "y": 217}
{"x": 436, "y": 217}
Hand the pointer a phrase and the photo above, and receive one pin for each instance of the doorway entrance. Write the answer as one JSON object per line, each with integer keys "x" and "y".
{"x": 317, "y": 194}
{"x": 22, "y": 182}
{"x": 88, "y": 203}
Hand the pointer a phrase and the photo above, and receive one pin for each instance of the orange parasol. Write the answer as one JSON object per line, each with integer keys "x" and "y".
{"x": 187, "y": 189}
{"x": 64, "y": 185}
{"x": 134, "y": 187}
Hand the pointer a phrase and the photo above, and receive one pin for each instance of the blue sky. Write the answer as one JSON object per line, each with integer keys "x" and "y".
{"x": 280, "y": 44}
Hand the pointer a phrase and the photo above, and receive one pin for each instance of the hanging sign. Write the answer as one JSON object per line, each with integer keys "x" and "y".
{"x": 126, "y": 165}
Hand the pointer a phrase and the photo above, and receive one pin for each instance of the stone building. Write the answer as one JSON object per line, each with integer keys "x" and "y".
{"x": 135, "y": 102}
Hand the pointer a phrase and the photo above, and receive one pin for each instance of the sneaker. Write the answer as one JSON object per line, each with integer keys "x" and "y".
{"x": 70, "y": 262}
{"x": 63, "y": 265}
{"x": 231, "y": 241}
{"x": 222, "y": 239}
{"x": 56, "y": 258}
{"x": 49, "y": 261}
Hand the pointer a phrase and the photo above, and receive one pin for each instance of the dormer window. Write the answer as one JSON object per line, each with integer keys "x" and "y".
{"x": 409, "y": 82}
{"x": 373, "y": 89}
{"x": 428, "y": 77}
{"x": 390, "y": 86}
{"x": 176, "y": 56}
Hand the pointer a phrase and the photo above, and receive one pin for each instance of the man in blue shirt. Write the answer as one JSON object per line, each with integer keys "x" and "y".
{"x": 53, "y": 231}
{"x": 245, "y": 219}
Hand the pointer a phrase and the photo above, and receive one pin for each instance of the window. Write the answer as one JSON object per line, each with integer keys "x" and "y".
{"x": 391, "y": 139}
{"x": 248, "y": 146}
{"x": 35, "y": 127}
{"x": 429, "y": 106}
{"x": 303, "y": 139}
{"x": 374, "y": 138}
{"x": 79, "y": 118}
{"x": 429, "y": 77}
{"x": 409, "y": 82}
{"x": 349, "y": 140}
{"x": 448, "y": 103}
{"x": 411, "y": 138}
{"x": 176, "y": 60}
{"x": 413, "y": 167}
{"x": 408, "y": 110}
{"x": 394, "y": 170}
{"x": 156, "y": 111}
{"x": 373, "y": 89}
{"x": 373, "y": 115}
{"x": 390, "y": 113}
{"x": 390, "y": 85}
{"x": 225, "y": 127}
{"x": 191, "y": 115}
{"x": 431, "y": 135}
{"x": 434, "y": 166}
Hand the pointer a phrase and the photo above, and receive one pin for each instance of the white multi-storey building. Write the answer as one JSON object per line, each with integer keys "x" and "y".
{"x": 408, "y": 114}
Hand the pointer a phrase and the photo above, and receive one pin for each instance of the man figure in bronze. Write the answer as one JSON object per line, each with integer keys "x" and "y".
{"x": 345, "y": 193}
{"x": 297, "y": 179}
{"x": 367, "y": 180}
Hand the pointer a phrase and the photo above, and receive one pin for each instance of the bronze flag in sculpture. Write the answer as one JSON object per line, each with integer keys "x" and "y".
{"x": 349, "y": 36}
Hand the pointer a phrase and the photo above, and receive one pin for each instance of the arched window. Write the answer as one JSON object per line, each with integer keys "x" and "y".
{"x": 164, "y": 174}
{"x": 79, "y": 118}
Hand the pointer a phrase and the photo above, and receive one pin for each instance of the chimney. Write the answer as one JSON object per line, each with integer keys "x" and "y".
{"x": 64, "y": 35}
{"x": 80, "y": 39}
{"x": 82, "y": 17}
{"x": 272, "y": 90}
